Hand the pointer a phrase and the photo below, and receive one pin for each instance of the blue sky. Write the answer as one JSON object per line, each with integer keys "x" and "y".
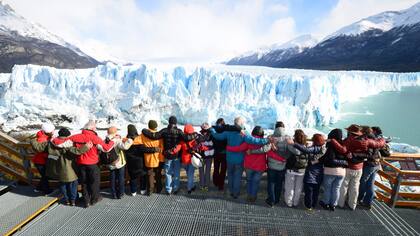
{"x": 192, "y": 30}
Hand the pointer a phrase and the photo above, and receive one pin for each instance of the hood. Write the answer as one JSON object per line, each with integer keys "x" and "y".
{"x": 279, "y": 132}
{"x": 41, "y": 136}
{"x": 188, "y": 129}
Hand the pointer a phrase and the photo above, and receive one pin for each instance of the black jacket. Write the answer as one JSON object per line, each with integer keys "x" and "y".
{"x": 135, "y": 160}
{"x": 171, "y": 136}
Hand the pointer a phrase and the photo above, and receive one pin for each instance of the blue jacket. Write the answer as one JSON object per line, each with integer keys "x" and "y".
{"x": 235, "y": 138}
{"x": 315, "y": 170}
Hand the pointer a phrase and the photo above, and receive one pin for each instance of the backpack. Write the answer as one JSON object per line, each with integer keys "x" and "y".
{"x": 107, "y": 158}
{"x": 385, "y": 151}
{"x": 297, "y": 162}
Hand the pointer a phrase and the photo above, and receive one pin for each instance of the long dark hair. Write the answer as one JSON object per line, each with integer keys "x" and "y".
{"x": 132, "y": 131}
{"x": 300, "y": 137}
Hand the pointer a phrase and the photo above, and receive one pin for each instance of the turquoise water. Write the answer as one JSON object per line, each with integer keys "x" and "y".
{"x": 397, "y": 113}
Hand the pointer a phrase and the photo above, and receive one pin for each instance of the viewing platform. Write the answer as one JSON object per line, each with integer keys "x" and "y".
{"x": 23, "y": 212}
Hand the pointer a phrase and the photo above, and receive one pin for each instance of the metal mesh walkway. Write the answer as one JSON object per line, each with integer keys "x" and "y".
{"x": 19, "y": 205}
{"x": 196, "y": 215}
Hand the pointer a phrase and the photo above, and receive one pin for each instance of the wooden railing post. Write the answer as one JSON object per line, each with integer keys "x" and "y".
{"x": 26, "y": 163}
{"x": 396, "y": 190}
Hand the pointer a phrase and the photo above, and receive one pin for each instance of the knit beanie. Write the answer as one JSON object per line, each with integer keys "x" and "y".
{"x": 153, "y": 124}
{"x": 173, "y": 120}
{"x": 64, "y": 132}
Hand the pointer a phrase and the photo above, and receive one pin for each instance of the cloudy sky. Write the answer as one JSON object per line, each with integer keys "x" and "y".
{"x": 192, "y": 30}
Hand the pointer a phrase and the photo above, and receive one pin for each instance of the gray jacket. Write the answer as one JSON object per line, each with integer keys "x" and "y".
{"x": 283, "y": 149}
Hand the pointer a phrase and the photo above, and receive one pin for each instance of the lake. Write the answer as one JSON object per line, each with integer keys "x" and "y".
{"x": 397, "y": 113}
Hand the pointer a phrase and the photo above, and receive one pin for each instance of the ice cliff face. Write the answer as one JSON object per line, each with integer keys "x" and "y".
{"x": 195, "y": 94}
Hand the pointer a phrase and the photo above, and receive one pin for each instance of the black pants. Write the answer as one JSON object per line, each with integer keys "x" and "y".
{"x": 43, "y": 184}
{"x": 89, "y": 176}
{"x": 311, "y": 194}
{"x": 219, "y": 171}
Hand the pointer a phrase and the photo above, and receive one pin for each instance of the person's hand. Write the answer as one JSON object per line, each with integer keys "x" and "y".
{"x": 89, "y": 145}
{"x": 157, "y": 149}
{"x": 124, "y": 140}
{"x": 290, "y": 141}
{"x": 272, "y": 139}
{"x": 248, "y": 152}
{"x": 243, "y": 133}
{"x": 273, "y": 147}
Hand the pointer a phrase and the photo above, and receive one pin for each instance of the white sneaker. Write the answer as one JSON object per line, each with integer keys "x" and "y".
{"x": 143, "y": 192}
{"x": 133, "y": 194}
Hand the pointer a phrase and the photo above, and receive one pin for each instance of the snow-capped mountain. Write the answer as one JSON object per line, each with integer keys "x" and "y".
{"x": 195, "y": 94}
{"x": 275, "y": 51}
{"x": 24, "y": 42}
{"x": 384, "y": 21}
{"x": 388, "y": 41}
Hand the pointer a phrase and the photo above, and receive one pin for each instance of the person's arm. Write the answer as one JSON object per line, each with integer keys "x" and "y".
{"x": 218, "y": 136}
{"x": 253, "y": 140}
{"x": 38, "y": 147}
{"x": 124, "y": 145}
{"x": 153, "y": 135}
{"x": 142, "y": 148}
{"x": 376, "y": 144}
{"x": 106, "y": 147}
{"x": 189, "y": 137}
{"x": 264, "y": 149}
{"x": 293, "y": 150}
{"x": 79, "y": 151}
{"x": 338, "y": 147}
{"x": 307, "y": 150}
{"x": 240, "y": 148}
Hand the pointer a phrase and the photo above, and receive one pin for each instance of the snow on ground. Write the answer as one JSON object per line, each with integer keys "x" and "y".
{"x": 195, "y": 94}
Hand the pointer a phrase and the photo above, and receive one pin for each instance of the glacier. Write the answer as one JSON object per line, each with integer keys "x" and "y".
{"x": 120, "y": 94}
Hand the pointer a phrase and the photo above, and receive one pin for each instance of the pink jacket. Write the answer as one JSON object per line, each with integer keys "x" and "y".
{"x": 257, "y": 162}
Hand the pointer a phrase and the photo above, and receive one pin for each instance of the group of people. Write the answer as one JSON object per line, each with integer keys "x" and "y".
{"x": 345, "y": 168}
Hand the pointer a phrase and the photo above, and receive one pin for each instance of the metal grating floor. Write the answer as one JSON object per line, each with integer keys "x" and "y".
{"x": 17, "y": 205}
{"x": 197, "y": 215}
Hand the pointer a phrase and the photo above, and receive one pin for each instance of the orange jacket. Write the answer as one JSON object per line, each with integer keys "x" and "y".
{"x": 151, "y": 160}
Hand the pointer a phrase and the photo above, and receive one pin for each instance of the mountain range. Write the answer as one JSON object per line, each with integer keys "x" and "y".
{"x": 23, "y": 42}
{"x": 389, "y": 41}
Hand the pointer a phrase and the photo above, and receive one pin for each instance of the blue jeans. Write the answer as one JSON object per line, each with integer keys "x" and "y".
{"x": 118, "y": 182}
{"x": 172, "y": 169}
{"x": 69, "y": 190}
{"x": 234, "y": 178}
{"x": 253, "y": 182}
{"x": 205, "y": 172}
{"x": 332, "y": 184}
{"x": 367, "y": 187}
{"x": 190, "y": 176}
{"x": 275, "y": 179}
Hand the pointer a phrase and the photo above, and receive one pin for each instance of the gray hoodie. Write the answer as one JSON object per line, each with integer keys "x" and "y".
{"x": 283, "y": 149}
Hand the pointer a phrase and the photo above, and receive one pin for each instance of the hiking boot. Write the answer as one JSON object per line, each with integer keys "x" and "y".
{"x": 331, "y": 208}
{"x": 87, "y": 205}
{"x": 323, "y": 205}
{"x": 269, "y": 203}
{"x": 72, "y": 203}
{"x": 133, "y": 194}
{"x": 143, "y": 192}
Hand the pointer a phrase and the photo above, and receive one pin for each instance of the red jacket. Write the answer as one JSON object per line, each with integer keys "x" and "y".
{"x": 90, "y": 157}
{"x": 257, "y": 162}
{"x": 40, "y": 158}
{"x": 187, "y": 147}
{"x": 355, "y": 144}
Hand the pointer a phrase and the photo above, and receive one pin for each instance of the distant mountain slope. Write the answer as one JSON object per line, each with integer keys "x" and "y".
{"x": 389, "y": 41}
{"x": 275, "y": 52}
{"x": 22, "y": 42}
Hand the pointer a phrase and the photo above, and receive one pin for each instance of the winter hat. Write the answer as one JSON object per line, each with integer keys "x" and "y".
{"x": 205, "y": 126}
{"x": 47, "y": 128}
{"x": 279, "y": 124}
{"x": 258, "y": 131}
{"x": 188, "y": 129}
{"x": 132, "y": 131}
{"x": 153, "y": 124}
{"x": 173, "y": 120}
{"x": 354, "y": 129}
{"x": 64, "y": 132}
{"x": 318, "y": 139}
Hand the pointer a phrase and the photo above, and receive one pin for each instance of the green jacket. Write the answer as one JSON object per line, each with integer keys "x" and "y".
{"x": 61, "y": 163}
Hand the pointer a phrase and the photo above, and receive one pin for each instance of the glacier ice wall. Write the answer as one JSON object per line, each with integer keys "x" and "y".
{"x": 121, "y": 94}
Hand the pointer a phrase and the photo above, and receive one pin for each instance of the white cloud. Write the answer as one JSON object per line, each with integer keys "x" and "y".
{"x": 349, "y": 11}
{"x": 199, "y": 31}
